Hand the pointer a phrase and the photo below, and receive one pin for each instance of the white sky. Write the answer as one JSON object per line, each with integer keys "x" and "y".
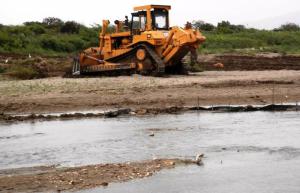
{"x": 93, "y": 11}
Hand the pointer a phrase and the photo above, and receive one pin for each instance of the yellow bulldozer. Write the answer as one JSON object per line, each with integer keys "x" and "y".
{"x": 145, "y": 45}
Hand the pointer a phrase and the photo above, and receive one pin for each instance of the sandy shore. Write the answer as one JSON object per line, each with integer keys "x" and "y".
{"x": 139, "y": 92}
{"x": 45, "y": 179}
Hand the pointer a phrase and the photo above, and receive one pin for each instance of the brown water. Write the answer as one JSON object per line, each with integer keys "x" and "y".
{"x": 245, "y": 152}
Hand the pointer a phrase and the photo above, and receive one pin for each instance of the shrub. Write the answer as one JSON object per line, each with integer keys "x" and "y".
{"x": 52, "y": 21}
{"x": 77, "y": 43}
{"x": 22, "y": 72}
{"x": 37, "y": 29}
{"x": 288, "y": 27}
{"x": 70, "y": 27}
{"x": 2, "y": 69}
{"x": 225, "y": 27}
{"x": 4, "y": 38}
{"x": 50, "y": 43}
{"x": 201, "y": 25}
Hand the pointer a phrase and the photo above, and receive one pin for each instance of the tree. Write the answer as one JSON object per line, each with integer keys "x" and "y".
{"x": 29, "y": 23}
{"x": 53, "y": 22}
{"x": 70, "y": 27}
{"x": 227, "y": 27}
{"x": 201, "y": 25}
{"x": 288, "y": 27}
{"x": 36, "y": 27}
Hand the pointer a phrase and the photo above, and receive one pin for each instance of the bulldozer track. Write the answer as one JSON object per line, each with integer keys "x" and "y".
{"x": 160, "y": 66}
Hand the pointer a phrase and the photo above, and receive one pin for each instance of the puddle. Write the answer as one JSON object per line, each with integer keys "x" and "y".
{"x": 245, "y": 152}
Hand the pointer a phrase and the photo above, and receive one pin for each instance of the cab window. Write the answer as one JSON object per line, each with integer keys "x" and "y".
{"x": 160, "y": 19}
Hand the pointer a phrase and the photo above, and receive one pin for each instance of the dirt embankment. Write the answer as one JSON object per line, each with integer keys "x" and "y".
{"x": 140, "y": 92}
{"x": 248, "y": 62}
{"x": 39, "y": 179}
{"x": 30, "y": 67}
{"x": 40, "y": 67}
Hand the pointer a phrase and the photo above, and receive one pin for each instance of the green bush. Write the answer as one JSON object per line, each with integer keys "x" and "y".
{"x": 201, "y": 25}
{"x": 252, "y": 41}
{"x": 288, "y": 27}
{"x": 2, "y": 69}
{"x": 22, "y": 72}
{"x": 4, "y": 38}
{"x": 37, "y": 29}
{"x": 70, "y": 27}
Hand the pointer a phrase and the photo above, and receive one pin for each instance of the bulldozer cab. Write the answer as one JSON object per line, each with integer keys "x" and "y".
{"x": 150, "y": 18}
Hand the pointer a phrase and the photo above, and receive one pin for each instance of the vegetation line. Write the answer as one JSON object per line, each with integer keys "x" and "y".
{"x": 54, "y": 37}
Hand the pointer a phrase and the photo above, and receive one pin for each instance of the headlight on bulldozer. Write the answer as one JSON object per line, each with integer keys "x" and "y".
{"x": 148, "y": 36}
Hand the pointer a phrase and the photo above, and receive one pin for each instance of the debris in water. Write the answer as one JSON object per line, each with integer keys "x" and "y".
{"x": 104, "y": 184}
{"x": 199, "y": 158}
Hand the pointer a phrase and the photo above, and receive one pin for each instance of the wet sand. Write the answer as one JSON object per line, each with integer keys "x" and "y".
{"x": 42, "y": 179}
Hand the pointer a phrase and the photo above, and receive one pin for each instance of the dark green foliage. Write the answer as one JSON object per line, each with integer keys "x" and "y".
{"x": 252, "y": 41}
{"x": 29, "y": 68}
{"x": 50, "y": 37}
{"x": 2, "y": 69}
{"x": 37, "y": 29}
{"x": 288, "y": 27}
{"x": 225, "y": 27}
{"x": 22, "y": 72}
{"x": 53, "y": 22}
{"x": 201, "y": 25}
{"x": 70, "y": 27}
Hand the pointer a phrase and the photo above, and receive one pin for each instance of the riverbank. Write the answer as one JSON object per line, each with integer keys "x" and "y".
{"x": 47, "y": 178}
{"x": 52, "y": 95}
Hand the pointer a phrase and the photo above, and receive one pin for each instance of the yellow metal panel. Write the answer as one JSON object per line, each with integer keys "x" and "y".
{"x": 145, "y": 7}
{"x": 121, "y": 34}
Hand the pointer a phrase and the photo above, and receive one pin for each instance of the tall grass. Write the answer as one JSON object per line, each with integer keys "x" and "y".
{"x": 253, "y": 41}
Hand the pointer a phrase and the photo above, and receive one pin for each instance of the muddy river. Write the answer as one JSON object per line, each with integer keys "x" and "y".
{"x": 244, "y": 152}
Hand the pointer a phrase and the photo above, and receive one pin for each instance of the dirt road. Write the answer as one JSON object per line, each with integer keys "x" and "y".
{"x": 206, "y": 88}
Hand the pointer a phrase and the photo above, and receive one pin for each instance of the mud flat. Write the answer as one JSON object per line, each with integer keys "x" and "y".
{"x": 42, "y": 179}
{"x": 139, "y": 92}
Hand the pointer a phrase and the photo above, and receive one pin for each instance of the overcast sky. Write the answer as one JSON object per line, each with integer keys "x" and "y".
{"x": 253, "y": 13}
